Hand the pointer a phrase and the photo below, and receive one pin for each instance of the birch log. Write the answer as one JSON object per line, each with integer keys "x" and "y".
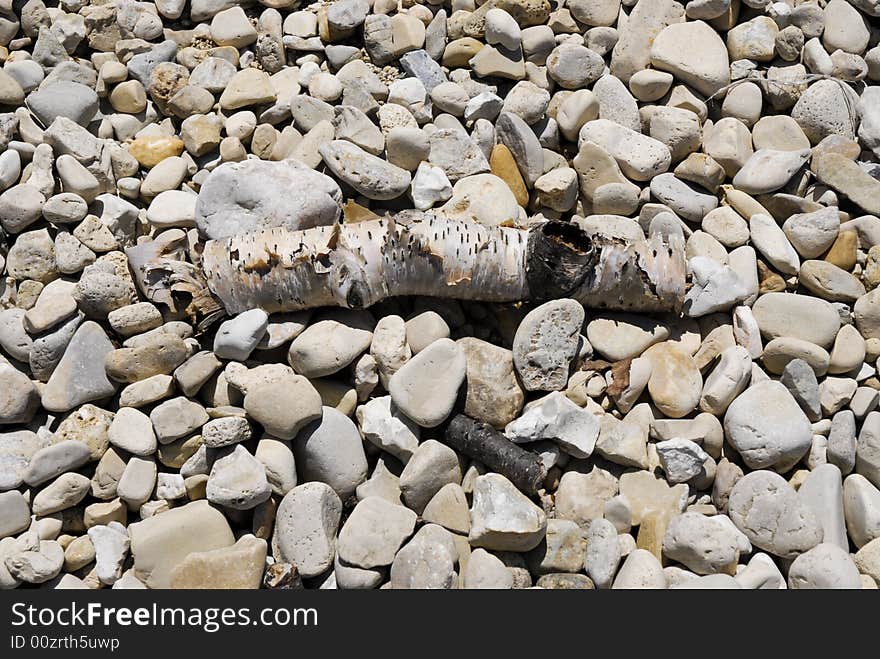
{"x": 415, "y": 253}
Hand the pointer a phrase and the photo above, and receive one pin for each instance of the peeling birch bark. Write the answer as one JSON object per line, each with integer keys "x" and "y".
{"x": 414, "y": 253}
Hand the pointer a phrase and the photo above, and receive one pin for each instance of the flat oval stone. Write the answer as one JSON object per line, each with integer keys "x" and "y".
{"x": 161, "y": 355}
{"x": 426, "y": 387}
{"x": 618, "y": 336}
{"x": 51, "y": 461}
{"x": 767, "y": 427}
{"x": 326, "y": 347}
{"x": 80, "y": 376}
{"x": 797, "y": 316}
{"x": 767, "y": 170}
{"x": 370, "y": 175}
{"x": 545, "y": 342}
{"x": 675, "y": 383}
{"x": 331, "y": 451}
{"x": 305, "y": 528}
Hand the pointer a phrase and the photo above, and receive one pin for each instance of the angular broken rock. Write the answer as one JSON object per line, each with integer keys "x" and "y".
{"x": 502, "y": 518}
{"x": 239, "y": 567}
{"x": 374, "y": 532}
{"x": 162, "y": 542}
{"x": 556, "y": 418}
{"x": 238, "y": 481}
{"x": 111, "y": 549}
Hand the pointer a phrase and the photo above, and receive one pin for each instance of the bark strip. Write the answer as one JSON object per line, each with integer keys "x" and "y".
{"x": 482, "y": 442}
{"x": 415, "y": 253}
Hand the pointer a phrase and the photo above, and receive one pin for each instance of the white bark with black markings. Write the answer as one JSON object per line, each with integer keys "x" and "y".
{"x": 356, "y": 265}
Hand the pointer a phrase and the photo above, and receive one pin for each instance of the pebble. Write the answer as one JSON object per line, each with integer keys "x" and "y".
{"x": 48, "y": 462}
{"x": 160, "y": 543}
{"x": 556, "y": 418}
{"x": 111, "y": 543}
{"x": 486, "y": 571}
{"x": 15, "y": 514}
{"x": 236, "y": 338}
{"x": 640, "y": 570}
{"x": 797, "y": 316}
{"x": 424, "y": 563}
{"x": 640, "y": 157}
{"x": 283, "y": 406}
{"x": 176, "y": 418}
{"x": 211, "y": 569}
{"x": 326, "y": 347}
{"x": 18, "y": 446}
{"x": 704, "y": 65}
{"x": 132, "y": 431}
{"x": 238, "y": 481}
{"x": 767, "y": 427}
{"x": 704, "y": 544}
{"x": 137, "y": 482}
{"x": 545, "y": 343}
{"x": 860, "y": 500}
{"x": 225, "y": 431}
{"x": 161, "y": 354}
{"x": 681, "y": 459}
{"x": 306, "y": 525}
{"x": 330, "y": 450}
{"x": 502, "y": 518}
{"x": 34, "y": 560}
{"x": 767, "y": 509}
{"x": 368, "y": 174}
{"x": 822, "y": 492}
{"x": 824, "y": 566}
{"x": 373, "y": 533}
{"x": 384, "y": 425}
{"x": 428, "y": 401}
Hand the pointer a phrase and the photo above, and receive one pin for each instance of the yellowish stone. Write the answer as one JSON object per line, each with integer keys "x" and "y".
{"x": 459, "y": 52}
{"x": 150, "y": 151}
{"x": 651, "y": 532}
{"x": 239, "y": 567}
{"x": 353, "y": 212}
{"x": 844, "y": 251}
{"x": 336, "y": 394}
{"x": 503, "y": 166}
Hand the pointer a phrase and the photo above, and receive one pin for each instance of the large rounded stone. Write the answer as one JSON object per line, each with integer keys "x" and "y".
{"x": 426, "y": 387}
{"x": 546, "y": 341}
{"x": 675, "y": 383}
{"x": 305, "y": 528}
{"x": 160, "y": 543}
{"x": 797, "y": 316}
{"x": 703, "y": 64}
{"x": 255, "y": 194}
{"x": 331, "y": 451}
{"x": 767, "y": 509}
{"x": 767, "y": 427}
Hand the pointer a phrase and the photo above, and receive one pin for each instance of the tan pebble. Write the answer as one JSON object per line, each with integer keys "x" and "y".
{"x": 150, "y": 151}
{"x": 504, "y": 167}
